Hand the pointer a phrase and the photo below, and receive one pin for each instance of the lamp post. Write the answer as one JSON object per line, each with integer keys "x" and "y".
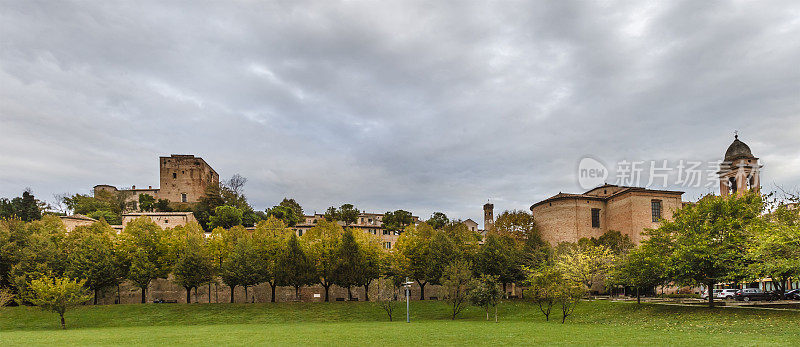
{"x": 407, "y": 284}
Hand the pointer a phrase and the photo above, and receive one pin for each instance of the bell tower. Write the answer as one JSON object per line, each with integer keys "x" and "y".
{"x": 739, "y": 171}
{"x": 488, "y": 217}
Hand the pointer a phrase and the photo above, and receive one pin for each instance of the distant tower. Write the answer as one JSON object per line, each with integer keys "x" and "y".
{"x": 739, "y": 172}
{"x": 488, "y": 216}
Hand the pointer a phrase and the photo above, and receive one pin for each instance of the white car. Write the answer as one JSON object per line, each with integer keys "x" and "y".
{"x": 721, "y": 293}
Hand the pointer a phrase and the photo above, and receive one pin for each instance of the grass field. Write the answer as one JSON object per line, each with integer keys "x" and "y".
{"x": 339, "y": 323}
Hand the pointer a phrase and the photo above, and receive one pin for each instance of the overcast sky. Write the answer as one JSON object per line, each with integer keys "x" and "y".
{"x": 425, "y": 106}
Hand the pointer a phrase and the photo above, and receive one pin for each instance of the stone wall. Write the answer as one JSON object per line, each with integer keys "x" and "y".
{"x": 166, "y": 289}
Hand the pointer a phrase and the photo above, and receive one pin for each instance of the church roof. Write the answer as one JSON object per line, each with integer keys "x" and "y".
{"x": 587, "y": 196}
{"x": 738, "y": 149}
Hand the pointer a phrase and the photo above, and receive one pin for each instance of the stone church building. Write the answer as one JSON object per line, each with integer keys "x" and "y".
{"x": 568, "y": 217}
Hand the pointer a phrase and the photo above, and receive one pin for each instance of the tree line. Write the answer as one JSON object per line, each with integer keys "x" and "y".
{"x": 716, "y": 240}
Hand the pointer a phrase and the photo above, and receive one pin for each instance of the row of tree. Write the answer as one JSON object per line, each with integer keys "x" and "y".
{"x": 718, "y": 240}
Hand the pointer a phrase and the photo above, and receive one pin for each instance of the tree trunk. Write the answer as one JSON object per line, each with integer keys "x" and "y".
{"x": 209, "y": 292}
{"x": 326, "y": 286}
{"x": 710, "y": 294}
{"x": 638, "y": 298}
{"x": 421, "y": 290}
{"x": 781, "y": 286}
{"x": 119, "y": 298}
{"x": 349, "y": 294}
{"x": 95, "y": 296}
{"x": 495, "y": 313}
{"x": 505, "y": 294}
{"x": 245, "y": 294}
{"x": 366, "y": 291}
{"x": 232, "y": 291}
{"x": 63, "y": 324}
{"x": 188, "y": 295}
{"x": 297, "y": 293}
{"x": 144, "y": 289}
{"x": 272, "y": 286}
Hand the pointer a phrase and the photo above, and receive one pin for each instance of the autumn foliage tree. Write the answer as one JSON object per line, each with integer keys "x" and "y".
{"x": 57, "y": 294}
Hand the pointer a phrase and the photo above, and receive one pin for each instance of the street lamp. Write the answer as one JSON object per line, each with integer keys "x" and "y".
{"x": 407, "y": 284}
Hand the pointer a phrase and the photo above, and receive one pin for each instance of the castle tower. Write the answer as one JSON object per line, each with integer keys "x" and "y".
{"x": 488, "y": 216}
{"x": 184, "y": 178}
{"x": 739, "y": 171}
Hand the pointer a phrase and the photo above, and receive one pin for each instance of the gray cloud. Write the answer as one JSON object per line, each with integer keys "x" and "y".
{"x": 418, "y": 105}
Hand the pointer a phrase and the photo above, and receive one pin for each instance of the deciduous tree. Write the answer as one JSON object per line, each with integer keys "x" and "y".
{"x": 708, "y": 240}
{"x": 147, "y": 248}
{"x": 147, "y": 202}
{"x": 57, "y": 294}
{"x": 295, "y": 267}
{"x": 486, "y": 294}
{"x": 500, "y": 256}
{"x": 271, "y": 237}
{"x": 93, "y": 256}
{"x": 586, "y": 265}
{"x": 387, "y": 296}
{"x": 194, "y": 265}
{"x": 457, "y": 282}
{"x": 397, "y": 221}
{"x": 438, "y": 220}
{"x": 241, "y": 266}
{"x": 640, "y": 269}
{"x": 544, "y": 284}
{"x": 350, "y": 263}
{"x": 422, "y": 253}
{"x": 226, "y": 217}
{"x": 323, "y": 250}
{"x": 774, "y": 249}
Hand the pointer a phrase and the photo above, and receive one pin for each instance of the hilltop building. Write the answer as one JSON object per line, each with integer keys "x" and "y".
{"x": 367, "y": 222}
{"x": 76, "y": 220}
{"x": 183, "y": 179}
{"x": 163, "y": 219}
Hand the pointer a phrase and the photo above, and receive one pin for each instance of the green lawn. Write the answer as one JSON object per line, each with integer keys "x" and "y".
{"x": 339, "y": 323}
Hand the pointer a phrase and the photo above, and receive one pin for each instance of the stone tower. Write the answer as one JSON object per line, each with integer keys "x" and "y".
{"x": 488, "y": 216}
{"x": 184, "y": 178}
{"x": 739, "y": 171}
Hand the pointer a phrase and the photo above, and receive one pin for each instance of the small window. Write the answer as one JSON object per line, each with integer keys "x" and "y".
{"x": 655, "y": 207}
{"x": 386, "y": 232}
{"x": 166, "y": 221}
{"x": 183, "y": 197}
{"x": 174, "y": 175}
{"x": 595, "y": 218}
{"x": 299, "y": 232}
{"x": 387, "y": 245}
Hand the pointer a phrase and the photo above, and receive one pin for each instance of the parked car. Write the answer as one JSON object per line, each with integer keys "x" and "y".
{"x": 793, "y": 294}
{"x": 727, "y": 293}
{"x": 751, "y": 294}
{"x": 722, "y": 294}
